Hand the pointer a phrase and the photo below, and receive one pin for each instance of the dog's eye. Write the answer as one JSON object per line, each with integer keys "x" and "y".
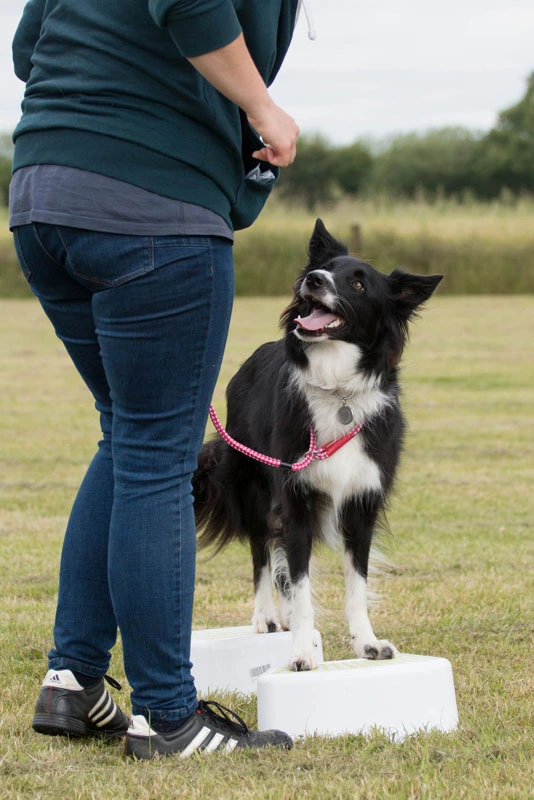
{"x": 358, "y": 285}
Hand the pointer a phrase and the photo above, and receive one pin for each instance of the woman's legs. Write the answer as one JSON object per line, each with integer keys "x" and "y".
{"x": 145, "y": 321}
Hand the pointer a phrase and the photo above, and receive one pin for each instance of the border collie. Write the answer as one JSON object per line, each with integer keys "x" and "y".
{"x": 335, "y": 369}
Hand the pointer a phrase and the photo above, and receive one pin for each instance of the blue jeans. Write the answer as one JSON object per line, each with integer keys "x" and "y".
{"x": 145, "y": 321}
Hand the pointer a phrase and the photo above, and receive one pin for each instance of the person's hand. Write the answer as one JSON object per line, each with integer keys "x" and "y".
{"x": 232, "y": 72}
{"x": 279, "y": 132}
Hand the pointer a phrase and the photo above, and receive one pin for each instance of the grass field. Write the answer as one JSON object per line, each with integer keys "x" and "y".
{"x": 461, "y": 586}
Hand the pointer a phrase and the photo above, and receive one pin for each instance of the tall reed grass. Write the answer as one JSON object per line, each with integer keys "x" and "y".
{"x": 481, "y": 248}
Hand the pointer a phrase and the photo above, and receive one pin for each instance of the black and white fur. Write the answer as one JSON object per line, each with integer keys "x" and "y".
{"x": 280, "y": 391}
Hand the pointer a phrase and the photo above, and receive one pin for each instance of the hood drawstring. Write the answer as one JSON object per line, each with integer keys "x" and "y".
{"x": 305, "y": 6}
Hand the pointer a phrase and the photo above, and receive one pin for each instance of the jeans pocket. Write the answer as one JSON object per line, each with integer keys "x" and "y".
{"x": 105, "y": 260}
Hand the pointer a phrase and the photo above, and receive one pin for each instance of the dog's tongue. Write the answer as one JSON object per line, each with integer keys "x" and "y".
{"x": 316, "y": 320}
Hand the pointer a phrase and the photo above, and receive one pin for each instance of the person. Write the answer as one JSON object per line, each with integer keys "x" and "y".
{"x": 147, "y": 137}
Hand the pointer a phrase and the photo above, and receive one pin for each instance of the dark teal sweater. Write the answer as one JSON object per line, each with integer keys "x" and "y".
{"x": 109, "y": 89}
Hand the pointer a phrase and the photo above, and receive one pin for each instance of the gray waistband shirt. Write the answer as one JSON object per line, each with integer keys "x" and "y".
{"x": 77, "y": 198}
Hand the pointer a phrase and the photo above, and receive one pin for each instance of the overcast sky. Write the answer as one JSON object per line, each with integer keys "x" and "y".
{"x": 380, "y": 67}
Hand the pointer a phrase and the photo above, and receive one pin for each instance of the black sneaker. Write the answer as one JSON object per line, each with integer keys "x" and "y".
{"x": 64, "y": 708}
{"x": 205, "y": 731}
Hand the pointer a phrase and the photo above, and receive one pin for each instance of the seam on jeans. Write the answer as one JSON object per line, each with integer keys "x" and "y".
{"x": 203, "y": 360}
{"x": 179, "y": 582}
{"x": 150, "y": 252}
{"x": 109, "y": 284}
{"x": 194, "y": 403}
{"x": 20, "y": 255}
{"x": 173, "y": 243}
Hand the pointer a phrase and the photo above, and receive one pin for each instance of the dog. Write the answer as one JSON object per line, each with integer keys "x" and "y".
{"x": 334, "y": 373}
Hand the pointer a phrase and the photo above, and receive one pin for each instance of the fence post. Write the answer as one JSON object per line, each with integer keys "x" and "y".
{"x": 356, "y": 239}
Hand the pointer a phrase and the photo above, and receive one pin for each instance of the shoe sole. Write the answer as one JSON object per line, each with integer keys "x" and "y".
{"x": 141, "y": 751}
{"x": 58, "y": 725}
{"x": 146, "y": 750}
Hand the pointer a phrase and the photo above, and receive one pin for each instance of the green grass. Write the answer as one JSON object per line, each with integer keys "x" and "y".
{"x": 461, "y": 586}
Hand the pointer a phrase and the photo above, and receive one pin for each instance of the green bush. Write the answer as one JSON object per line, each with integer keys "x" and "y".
{"x": 12, "y": 281}
{"x": 311, "y": 179}
{"x": 438, "y": 162}
{"x": 506, "y": 157}
{"x": 5, "y": 177}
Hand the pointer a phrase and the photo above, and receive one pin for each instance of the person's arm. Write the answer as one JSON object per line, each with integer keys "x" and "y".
{"x": 209, "y": 35}
{"x": 26, "y": 36}
{"x": 233, "y": 73}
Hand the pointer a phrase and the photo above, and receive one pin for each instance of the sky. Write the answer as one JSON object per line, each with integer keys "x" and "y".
{"x": 380, "y": 67}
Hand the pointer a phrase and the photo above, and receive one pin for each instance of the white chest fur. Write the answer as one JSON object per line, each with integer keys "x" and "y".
{"x": 333, "y": 367}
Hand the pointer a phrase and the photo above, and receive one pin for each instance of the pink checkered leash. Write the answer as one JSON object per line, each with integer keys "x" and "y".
{"x": 314, "y": 453}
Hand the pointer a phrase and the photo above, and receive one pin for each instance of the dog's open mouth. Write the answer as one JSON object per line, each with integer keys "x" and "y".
{"x": 320, "y": 319}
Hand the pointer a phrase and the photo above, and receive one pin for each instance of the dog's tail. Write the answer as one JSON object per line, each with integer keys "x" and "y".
{"x": 217, "y": 510}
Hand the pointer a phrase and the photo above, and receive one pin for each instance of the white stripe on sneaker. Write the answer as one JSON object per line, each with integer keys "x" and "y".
{"x": 195, "y": 743}
{"x": 100, "y": 723}
{"x": 231, "y": 745}
{"x": 102, "y": 712}
{"x": 101, "y": 700}
{"x": 106, "y": 719}
{"x": 215, "y": 742}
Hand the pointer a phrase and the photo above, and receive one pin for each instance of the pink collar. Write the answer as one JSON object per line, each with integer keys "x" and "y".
{"x": 314, "y": 453}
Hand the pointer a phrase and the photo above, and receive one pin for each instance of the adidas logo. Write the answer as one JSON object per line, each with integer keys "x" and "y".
{"x": 62, "y": 679}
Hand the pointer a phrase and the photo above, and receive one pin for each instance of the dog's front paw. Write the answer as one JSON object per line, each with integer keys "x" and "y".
{"x": 304, "y": 661}
{"x": 264, "y": 624}
{"x": 375, "y": 650}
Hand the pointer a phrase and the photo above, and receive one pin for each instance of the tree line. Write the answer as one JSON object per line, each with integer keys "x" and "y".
{"x": 447, "y": 161}
{"x": 451, "y": 161}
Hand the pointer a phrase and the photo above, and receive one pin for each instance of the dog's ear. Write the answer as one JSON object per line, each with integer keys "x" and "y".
{"x": 408, "y": 292}
{"x": 323, "y": 246}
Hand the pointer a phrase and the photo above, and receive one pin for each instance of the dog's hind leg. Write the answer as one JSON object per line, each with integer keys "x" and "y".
{"x": 358, "y": 520}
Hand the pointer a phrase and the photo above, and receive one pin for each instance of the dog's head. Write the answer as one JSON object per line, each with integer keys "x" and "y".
{"x": 338, "y": 297}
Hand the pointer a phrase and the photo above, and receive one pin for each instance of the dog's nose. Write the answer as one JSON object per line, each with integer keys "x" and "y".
{"x": 315, "y": 279}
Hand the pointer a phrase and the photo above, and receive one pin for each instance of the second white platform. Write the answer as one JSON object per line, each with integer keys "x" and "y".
{"x": 407, "y": 694}
{"x": 232, "y": 659}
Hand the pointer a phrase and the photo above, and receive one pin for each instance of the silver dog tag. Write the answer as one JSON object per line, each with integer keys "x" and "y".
{"x": 345, "y": 415}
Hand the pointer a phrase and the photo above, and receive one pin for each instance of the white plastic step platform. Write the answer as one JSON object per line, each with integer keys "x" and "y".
{"x": 232, "y": 659}
{"x": 406, "y": 694}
